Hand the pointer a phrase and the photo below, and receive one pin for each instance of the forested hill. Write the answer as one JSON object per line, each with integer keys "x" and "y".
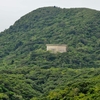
{"x": 29, "y": 72}
{"x": 24, "y": 43}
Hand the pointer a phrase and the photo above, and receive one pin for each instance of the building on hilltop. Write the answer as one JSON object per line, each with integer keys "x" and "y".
{"x": 54, "y": 48}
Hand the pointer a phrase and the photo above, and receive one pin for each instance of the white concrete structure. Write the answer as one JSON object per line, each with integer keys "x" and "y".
{"x": 54, "y": 48}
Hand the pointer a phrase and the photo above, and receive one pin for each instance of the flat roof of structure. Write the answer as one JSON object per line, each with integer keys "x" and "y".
{"x": 55, "y": 44}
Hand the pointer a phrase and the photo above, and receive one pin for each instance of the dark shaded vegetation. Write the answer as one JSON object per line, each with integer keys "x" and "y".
{"x": 29, "y": 72}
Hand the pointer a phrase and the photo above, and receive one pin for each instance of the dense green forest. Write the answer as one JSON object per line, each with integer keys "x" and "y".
{"x": 29, "y": 72}
{"x": 35, "y": 83}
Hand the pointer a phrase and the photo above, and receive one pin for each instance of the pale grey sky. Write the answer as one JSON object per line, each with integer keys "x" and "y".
{"x": 12, "y": 10}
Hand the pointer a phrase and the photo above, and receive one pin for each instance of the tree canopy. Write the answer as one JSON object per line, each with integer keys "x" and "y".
{"x": 29, "y": 72}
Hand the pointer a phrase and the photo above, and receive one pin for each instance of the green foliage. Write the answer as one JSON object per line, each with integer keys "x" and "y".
{"x": 26, "y": 40}
{"x": 36, "y": 83}
{"x": 29, "y": 72}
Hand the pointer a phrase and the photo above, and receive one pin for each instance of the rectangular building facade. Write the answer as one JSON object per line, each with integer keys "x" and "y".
{"x": 54, "y": 48}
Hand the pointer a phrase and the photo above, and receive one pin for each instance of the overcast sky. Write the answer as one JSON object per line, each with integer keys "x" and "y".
{"x": 12, "y": 10}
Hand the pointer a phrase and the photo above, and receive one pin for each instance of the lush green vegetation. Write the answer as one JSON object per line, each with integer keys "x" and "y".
{"x": 78, "y": 28}
{"x": 35, "y": 83}
{"x": 29, "y": 72}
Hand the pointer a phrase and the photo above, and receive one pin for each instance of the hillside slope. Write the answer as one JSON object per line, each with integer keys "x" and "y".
{"x": 24, "y": 43}
{"x": 29, "y": 72}
{"x": 36, "y": 83}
